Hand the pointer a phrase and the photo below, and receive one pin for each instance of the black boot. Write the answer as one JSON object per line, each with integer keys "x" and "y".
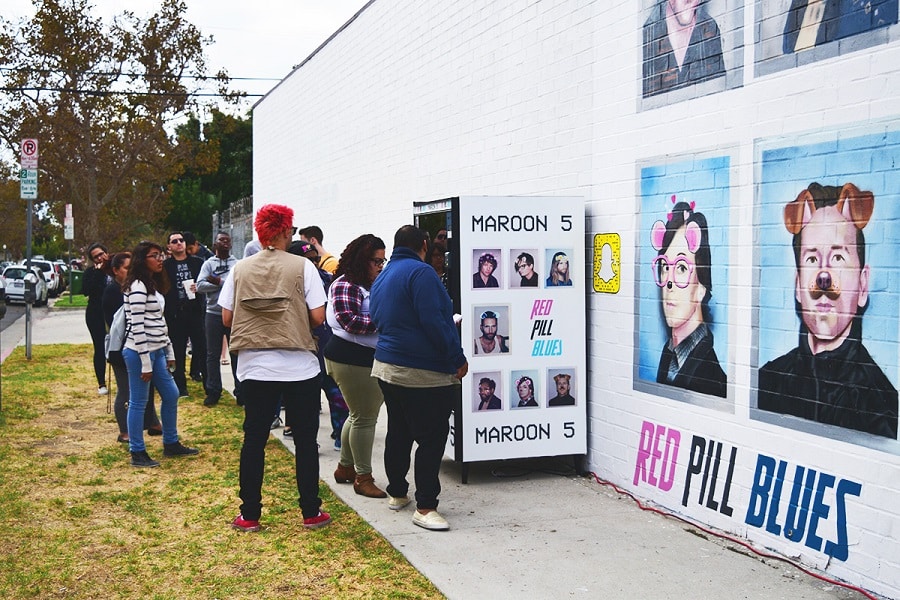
{"x": 177, "y": 449}
{"x": 142, "y": 459}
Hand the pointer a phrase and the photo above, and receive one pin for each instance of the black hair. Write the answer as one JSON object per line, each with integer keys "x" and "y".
{"x": 702, "y": 257}
{"x": 410, "y": 236}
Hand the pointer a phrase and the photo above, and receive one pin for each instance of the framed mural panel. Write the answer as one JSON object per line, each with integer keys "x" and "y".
{"x": 689, "y": 48}
{"x": 681, "y": 279}
{"x": 791, "y": 33}
{"x": 828, "y": 223}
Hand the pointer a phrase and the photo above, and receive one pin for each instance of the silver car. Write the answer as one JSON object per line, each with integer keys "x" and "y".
{"x": 15, "y": 284}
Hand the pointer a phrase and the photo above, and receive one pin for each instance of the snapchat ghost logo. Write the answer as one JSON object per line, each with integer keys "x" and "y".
{"x": 607, "y": 263}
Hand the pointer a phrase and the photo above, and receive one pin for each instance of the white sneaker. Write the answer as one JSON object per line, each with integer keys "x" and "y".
{"x": 102, "y": 390}
{"x": 397, "y": 503}
{"x": 431, "y": 520}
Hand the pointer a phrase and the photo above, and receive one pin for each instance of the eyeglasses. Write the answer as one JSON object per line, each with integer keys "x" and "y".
{"x": 177, "y": 241}
{"x": 156, "y": 255}
{"x": 378, "y": 262}
{"x": 96, "y": 256}
{"x": 678, "y": 271}
{"x": 521, "y": 266}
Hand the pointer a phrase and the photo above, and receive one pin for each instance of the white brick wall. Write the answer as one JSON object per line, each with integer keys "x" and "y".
{"x": 421, "y": 100}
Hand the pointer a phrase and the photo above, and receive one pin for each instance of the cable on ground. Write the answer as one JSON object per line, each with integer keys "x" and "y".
{"x": 732, "y": 539}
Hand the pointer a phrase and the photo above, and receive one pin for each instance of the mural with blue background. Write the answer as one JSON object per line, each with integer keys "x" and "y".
{"x": 870, "y": 162}
{"x": 707, "y": 183}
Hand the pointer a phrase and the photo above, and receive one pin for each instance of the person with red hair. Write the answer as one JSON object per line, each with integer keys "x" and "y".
{"x": 272, "y": 301}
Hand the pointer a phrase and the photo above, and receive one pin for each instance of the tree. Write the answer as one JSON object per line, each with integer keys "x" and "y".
{"x": 227, "y": 141}
{"x": 102, "y": 99}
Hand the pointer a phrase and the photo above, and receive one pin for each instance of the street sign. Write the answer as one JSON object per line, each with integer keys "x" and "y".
{"x": 28, "y": 181}
{"x": 28, "y": 156}
{"x": 69, "y": 228}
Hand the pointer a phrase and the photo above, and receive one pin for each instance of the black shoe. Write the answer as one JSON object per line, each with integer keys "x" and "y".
{"x": 196, "y": 377}
{"x": 210, "y": 402}
{"x": 178, "y": 449}
{"x": 154, "y": 430}
{"x": 142, "y": 459}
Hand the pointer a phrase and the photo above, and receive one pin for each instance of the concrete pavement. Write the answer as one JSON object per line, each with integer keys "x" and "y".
{"x": 532, "y": 529}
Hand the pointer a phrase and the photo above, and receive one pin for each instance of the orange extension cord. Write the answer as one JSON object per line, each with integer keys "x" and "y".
{"x": 732, "y": 539}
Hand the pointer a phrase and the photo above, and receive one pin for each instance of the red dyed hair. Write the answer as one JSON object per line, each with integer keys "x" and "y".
{"x": 271, "y": 220}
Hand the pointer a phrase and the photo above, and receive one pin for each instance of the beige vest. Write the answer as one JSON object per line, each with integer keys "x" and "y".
{"x": 270, "y": 309}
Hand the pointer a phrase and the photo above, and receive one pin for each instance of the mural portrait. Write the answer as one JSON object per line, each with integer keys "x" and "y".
{"x": 828, "y": 325}
{"x": 683, "y": 281}
{"x": 689, "y": 42}
{"x": 796, "y": 32}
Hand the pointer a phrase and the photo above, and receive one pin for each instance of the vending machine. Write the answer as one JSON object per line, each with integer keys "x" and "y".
{"x": 515, "y": 269}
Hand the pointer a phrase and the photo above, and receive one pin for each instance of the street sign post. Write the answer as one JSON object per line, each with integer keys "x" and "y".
{"x": 28, "y": 176}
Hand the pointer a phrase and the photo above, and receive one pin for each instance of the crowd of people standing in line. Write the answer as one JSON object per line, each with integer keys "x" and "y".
{"x": 362, "y": 333}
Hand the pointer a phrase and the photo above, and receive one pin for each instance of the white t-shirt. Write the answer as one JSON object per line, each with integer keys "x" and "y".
{"x": 279, "y": 365}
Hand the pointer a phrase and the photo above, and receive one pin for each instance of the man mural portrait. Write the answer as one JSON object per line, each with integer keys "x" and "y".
{"x": 682, "y": 46}
{"x": 830, "y": 377}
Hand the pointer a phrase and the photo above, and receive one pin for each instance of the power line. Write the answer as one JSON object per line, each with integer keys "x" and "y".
{"x": 144, "y": 75}
{"x": 125, "y": 93}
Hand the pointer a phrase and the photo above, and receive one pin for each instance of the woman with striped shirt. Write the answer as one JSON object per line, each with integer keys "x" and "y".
{"x": 148, "y": 353}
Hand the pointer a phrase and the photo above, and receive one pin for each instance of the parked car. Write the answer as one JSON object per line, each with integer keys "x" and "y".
{"x": 63, "y": 272}
{"x": 54, "y": 285}
{"x": 15, "y": 285}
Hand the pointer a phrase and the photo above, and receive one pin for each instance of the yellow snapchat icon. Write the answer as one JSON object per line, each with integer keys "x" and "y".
{"x": 607, "y": 263}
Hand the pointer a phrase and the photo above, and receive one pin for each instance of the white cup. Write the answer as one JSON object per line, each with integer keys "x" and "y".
{"x": 188, "y": 284}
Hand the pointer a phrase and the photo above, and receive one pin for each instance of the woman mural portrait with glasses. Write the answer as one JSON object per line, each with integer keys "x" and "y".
{"x": 682, "y": 270}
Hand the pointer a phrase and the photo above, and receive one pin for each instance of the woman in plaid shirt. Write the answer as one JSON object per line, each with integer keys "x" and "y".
{"x": 348, "y": 359}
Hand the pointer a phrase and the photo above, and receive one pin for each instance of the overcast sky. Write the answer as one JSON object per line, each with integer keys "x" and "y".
{"x": 263, "y": 39}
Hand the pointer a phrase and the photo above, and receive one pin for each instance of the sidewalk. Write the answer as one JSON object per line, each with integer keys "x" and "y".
{"x": 520, "y": 530}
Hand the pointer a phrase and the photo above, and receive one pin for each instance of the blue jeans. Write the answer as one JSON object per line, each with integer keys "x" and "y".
{"x": 139, "y": 391}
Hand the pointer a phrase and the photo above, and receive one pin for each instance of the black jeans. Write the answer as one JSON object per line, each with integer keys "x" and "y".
{"x": 420, "y": 415}
{"x": 301, "y": 403}
{"x": 184, "y": 324}
{"x": 93, "y": 318}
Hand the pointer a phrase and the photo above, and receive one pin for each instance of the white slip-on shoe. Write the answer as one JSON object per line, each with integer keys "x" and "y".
{"x": 397, "y": 503}
{"x": 431, "y": 520}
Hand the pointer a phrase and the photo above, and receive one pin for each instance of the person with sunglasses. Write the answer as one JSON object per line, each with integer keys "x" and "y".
{"x": 682, "y": 271}
{"x": 525, "y": 269}
{"x": 95, "y": 279}
{"x": 185, "y": 310}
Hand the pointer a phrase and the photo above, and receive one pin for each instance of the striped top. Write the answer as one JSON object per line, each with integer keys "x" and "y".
{"x": 147, "y": 331}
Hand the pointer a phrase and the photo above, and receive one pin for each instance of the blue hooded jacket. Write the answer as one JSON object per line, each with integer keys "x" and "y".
{"x": 414, "y": 316}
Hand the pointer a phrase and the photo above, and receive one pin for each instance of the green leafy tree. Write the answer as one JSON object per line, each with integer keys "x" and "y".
{"x": 101, "y": 99}
{"x": 222, "y": 172}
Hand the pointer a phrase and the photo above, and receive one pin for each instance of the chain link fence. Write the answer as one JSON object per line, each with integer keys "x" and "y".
{"x": 237, "y": 220}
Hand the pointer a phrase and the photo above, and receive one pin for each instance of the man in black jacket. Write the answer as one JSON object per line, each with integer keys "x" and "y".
{"x": 830, "y": 377}
{"x": 184, "y": 309}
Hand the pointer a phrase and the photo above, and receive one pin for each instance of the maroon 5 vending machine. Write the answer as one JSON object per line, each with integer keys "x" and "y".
{"x": 515, "y": 269}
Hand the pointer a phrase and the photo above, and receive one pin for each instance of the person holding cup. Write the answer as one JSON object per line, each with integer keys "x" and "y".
{"x": 185, "y": 308}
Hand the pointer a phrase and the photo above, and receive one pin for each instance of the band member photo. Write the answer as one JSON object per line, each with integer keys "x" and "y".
{"x": 523, "y": 272}
{"x": 559, "y": 275}
{"x": 560, "y": 383}
{"x": 487, "y": 393}
{"x": 524, "y": 384}
{"x": 485, "y": 262}
{"x": 492, "y": 320}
